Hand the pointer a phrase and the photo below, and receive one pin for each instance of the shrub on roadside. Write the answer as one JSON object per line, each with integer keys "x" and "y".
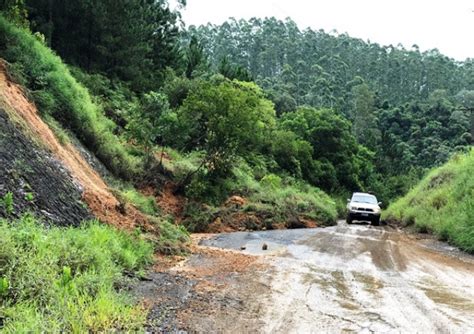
{"x": 294, "y": 200}
{"x": 173, "y": 239}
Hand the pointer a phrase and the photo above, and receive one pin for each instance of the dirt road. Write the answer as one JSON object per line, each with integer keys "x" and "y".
{"x": 343, "y": 278}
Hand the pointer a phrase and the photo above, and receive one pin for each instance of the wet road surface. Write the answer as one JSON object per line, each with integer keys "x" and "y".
{"x": 355, "y": 278}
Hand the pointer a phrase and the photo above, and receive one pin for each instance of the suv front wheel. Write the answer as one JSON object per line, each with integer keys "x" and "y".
{"x": 376, "y": 221}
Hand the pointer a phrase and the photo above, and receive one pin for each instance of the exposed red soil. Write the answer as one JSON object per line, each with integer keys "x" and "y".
{"x": 308, "y": 223}
{"x": 171, "y": 203}
{"x": 162, "y": 156}
{"x": 218, "y": 227}
{"x": 224, "y": 261}
{"x": 103, "y": 204}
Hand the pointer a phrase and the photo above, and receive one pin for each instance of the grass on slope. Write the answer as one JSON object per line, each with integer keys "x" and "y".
{"x": 442, "y": 203}
{"x": 68, "y": 279}
{"x": 58, "y": 94}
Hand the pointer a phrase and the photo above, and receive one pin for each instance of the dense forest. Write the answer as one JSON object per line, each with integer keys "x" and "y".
{"x": 412, "y": 109}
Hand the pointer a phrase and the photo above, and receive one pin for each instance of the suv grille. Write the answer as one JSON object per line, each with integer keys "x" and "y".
{"x": 365, "y": 209}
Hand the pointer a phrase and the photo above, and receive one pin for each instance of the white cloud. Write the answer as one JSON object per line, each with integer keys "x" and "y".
{"x": 444, "y": 24}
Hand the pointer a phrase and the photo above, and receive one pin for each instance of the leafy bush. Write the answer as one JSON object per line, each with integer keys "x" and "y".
{"x": 442, "y": 203}
{"x": 180, "y": 164}
{"x": 293, "y": 155}
{"x": 226, "y": 119}
{"x": 337, "y": 158}
{"x": 197, "y": 216}
{"x": 271, "y": 181}
{"x": 58, "y": 94}
{"x": 146, "y": 123}
{"x": 66, "y": 279}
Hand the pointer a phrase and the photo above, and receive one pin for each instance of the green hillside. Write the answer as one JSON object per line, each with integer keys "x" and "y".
{"x": 442, "y": 203}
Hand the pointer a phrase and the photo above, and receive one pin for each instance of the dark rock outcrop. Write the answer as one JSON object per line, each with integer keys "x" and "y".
{"x": 40, "y": 184}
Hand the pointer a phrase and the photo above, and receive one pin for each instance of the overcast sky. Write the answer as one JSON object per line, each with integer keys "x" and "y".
{"x": 447, "y": 25}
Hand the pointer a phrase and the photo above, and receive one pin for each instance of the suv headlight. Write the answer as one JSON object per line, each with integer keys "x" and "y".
{"x": 353, "y": 208}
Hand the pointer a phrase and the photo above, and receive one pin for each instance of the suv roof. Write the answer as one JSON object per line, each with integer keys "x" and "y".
{"x": 365, "y": 194}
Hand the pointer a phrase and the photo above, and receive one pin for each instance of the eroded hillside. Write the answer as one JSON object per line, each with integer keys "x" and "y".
{"x": 64, "y": 188}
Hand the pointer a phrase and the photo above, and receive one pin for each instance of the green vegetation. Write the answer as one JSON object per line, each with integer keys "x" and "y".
{"x": 172, "y": 239}
{"x": 7, "y": 203}
{"x": 254, "y": 122}
{"x": 68, "y": 279}
{"x": 129, "y": 40}
{"x": 442, "y": 203}
{"x": 145, "y": 204}
{"x": 58, "y": 94}
{"x": 321, "y": 69}
{"x": 337, "y": 161}
{"x": 284, "y": 203}
{"x": 225, "y": 119}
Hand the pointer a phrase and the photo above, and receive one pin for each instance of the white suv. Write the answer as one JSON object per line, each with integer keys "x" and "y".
{"x": 364, "y": 207}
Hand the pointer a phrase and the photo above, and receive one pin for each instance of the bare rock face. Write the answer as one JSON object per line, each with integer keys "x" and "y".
{"x": 40, "y": 184}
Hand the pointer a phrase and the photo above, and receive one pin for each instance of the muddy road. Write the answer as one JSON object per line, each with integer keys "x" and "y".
{"x": 346, "y": 278}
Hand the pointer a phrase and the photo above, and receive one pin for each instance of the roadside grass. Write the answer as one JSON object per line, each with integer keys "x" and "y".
{"x": 286, "y": 197}
{"x": 68, "y": 279}
{"x": 58, "y": 94}
{"x": 442, "y": 203}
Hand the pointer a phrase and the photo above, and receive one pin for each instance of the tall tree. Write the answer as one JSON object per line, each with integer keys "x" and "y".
{"x": 365, "y": 124}
{"x": 195, "y": 58}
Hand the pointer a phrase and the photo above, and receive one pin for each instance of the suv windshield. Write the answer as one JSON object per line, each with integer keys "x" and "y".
{"x": 364, "y": 199}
